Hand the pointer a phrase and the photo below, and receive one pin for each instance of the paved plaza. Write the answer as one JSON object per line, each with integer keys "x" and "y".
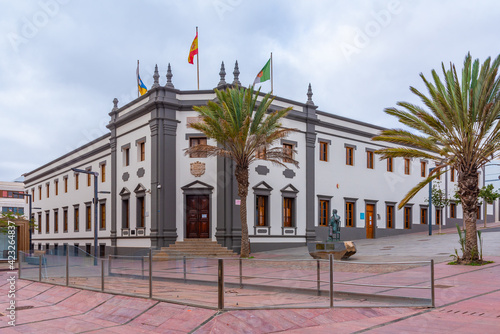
{"x": 467, "y": 298}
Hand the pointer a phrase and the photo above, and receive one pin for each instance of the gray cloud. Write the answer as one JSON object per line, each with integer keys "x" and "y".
{"x": 59, "y": 78}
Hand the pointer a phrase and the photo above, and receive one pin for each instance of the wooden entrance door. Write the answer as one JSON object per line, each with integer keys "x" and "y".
{"x": 197, "y": 216}
{"x": 370, "y": 228}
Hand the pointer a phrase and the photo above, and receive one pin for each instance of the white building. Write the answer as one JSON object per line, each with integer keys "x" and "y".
{"x": 159, "y": 195}
{"x": 10, "y": 200}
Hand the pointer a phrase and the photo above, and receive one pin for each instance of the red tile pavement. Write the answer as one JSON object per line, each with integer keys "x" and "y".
{"x": 467, "y": 301}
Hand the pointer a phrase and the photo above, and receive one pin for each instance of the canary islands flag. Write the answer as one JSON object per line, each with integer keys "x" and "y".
{"x": 264, "y": 74}
{"x": 140, "y": 85}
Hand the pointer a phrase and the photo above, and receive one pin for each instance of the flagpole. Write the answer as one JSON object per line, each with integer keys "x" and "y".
{"x": 271, "y": 72}
{"x": 198, "y": 60}
{"x": 137, "y": 75}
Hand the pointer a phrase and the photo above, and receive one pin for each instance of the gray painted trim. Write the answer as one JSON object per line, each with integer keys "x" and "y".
{"x": 125, "y": 146}
{"x": 70, "y": 153}
{"x": 324, "y": 197}
{"x": 350, "y": 145}
{"x": 323, "y": 113}
{"x": 350, "y": 138}
{"x": 59, "y": 170}
{"x": 390, "y": 203}
{"x": 345, "y": 129}
{"x": 197, "y": 186}
{"x": 65, "y": 177}
{"x": 289, "y": 193}
{"x": 262, "y": 170}
{"x": 367, "y": 149}
{"x": 289, "y": 173}
{"x": 140, "y": 189}
{"x": 262, "y": 188}
{"x": 102, "y": 163}
{"x": 289, "y": 142}
{"x": 140, "y": 140}
{"x": 195, "y": 135}
{"x": 322, "y": 140}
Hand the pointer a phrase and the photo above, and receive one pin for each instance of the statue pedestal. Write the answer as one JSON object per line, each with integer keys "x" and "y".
{"x": 341, "y": 250}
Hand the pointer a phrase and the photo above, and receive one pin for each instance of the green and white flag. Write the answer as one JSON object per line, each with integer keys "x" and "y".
{"x": 264, "y": 74}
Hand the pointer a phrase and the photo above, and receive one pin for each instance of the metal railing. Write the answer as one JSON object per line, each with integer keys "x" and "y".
{"x": 227, "y": 283}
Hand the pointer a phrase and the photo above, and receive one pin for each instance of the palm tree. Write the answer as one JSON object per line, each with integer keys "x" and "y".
{"x": 243, "y": 132}
{"x": 458, "y": 127}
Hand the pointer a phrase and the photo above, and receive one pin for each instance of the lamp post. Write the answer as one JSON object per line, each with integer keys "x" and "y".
{"x": 485, "y": 212}
{"x": 430, "y": 203}
{"x": 76, "y": 170}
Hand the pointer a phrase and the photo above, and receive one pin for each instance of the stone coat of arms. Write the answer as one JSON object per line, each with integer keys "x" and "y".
{"x": 197, "y": 168}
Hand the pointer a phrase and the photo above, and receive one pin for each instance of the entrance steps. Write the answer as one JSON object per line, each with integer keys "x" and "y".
{"x": 193, "y": 248}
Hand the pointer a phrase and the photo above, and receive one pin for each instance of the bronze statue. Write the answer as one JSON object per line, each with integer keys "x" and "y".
{"x": 333, "y": 225}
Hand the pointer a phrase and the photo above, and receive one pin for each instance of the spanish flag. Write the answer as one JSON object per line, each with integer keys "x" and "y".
{"x": 194, "y": 49}
{"x": 140, "y": 85}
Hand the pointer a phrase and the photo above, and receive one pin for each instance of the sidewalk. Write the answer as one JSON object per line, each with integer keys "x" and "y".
{"x": 467, "y": 301}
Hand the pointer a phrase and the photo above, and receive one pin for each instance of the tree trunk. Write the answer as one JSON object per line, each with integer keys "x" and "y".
{"x": 241, "y": 174}
{"x": 469, "y": 191}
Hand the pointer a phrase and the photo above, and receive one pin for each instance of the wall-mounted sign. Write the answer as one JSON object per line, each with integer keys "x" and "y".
{"x": 237, "y": 201}
{"x": 362, "y": 215}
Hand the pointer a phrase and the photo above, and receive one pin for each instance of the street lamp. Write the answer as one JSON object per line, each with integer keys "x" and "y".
{"x": 485, "y": 210}
{"x": 430, "y": 203}
{"x": 76, "y": 170}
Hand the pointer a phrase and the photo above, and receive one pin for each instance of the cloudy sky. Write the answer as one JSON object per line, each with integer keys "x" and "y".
{"x": 62, "y": 62}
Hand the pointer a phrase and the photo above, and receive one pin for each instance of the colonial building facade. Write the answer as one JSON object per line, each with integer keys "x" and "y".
{"x": 159, "y": 195}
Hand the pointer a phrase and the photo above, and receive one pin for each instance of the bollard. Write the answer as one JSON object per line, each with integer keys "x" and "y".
{"x": 102, "y": 275}
{"x": 67, "y": 268}
{"x": 331, "y": 279}
{"x": 184, "y": 267}
{"x": 318, "y": 277}
{"x": 150, "y": 274}
{"x": 39, "y": 268}
{"x": 21, "y": 255}
{"x": 241, "y": 274}
{"x": 220, "y": 287}
{"x": 142, "y": 266}
{"x": 432, "y": 284}
{"x": 109, "y": 265}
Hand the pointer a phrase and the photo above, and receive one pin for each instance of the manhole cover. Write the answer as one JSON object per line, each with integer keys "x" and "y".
{"x": 24, "y": 307}
{"x": 440, "y": 286}
{"x": 423, "y": 240}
